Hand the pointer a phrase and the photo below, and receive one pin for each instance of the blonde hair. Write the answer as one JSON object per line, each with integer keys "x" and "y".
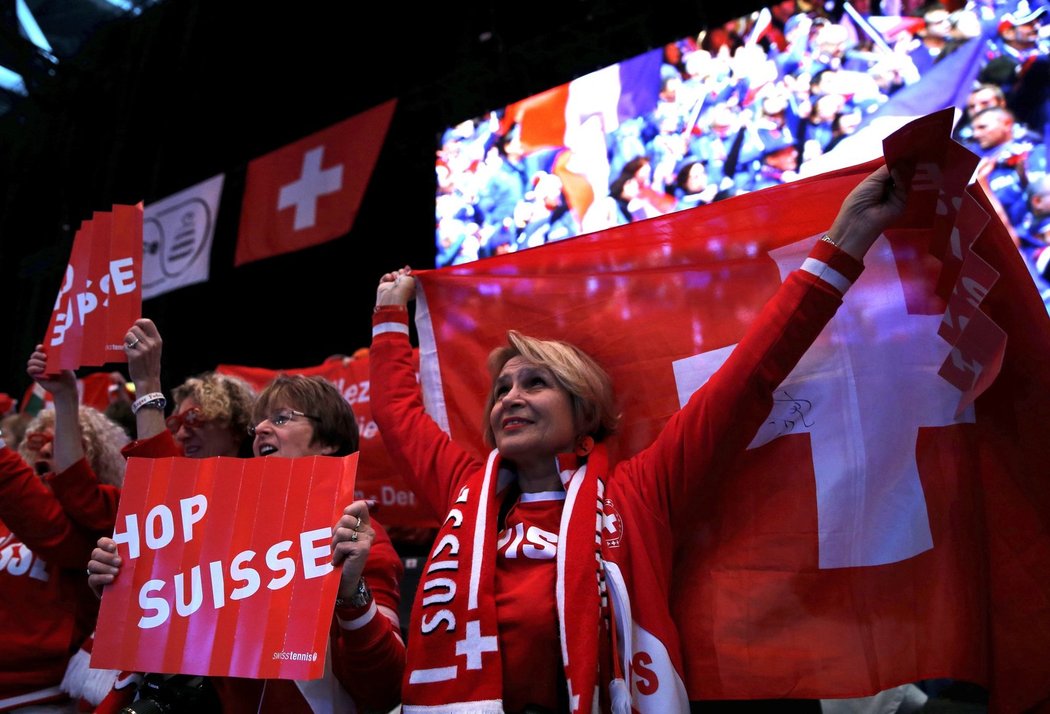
{"x": 222, "y": 398}
{"x": 589, "y": 386}
{"x": 103, "y": 439}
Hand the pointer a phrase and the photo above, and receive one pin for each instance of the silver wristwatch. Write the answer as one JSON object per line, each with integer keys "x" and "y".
{"x": 361, "y": 597}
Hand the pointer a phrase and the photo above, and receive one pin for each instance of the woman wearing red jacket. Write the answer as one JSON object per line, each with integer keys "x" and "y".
{"x": 46, "y": 533}
{"x": 526, "y": 605}
{"x": 293, "y": 417}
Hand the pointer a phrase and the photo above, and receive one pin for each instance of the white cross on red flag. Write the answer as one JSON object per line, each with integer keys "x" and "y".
{"x": 101, "y": 292}
{"x": 889, "y": 523}
{"x": 309, "y": 191}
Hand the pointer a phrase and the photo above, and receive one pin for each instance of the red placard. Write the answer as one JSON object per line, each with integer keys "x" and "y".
{"x": 226, "y": 567}
{"x": 101, "y": 293}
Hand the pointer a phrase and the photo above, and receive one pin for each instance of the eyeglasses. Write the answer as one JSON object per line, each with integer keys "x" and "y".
{"x": 279, "y": 418}
{"x": 38, "y": 440}
{"x": 192, "y": 418}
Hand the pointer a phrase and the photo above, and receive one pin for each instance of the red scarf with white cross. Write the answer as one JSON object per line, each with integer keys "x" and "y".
{"x": 454, "y": 661}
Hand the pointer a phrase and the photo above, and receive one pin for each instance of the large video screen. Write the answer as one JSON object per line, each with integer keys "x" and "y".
{"x": 729, "y": 110}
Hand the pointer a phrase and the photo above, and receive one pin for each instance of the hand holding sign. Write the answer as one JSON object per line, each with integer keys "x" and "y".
{"x": 104, "y": 566}
{"x": 57, "y": 384}
{"x": 143, "y": 346}
{"x": 350, "y": 546}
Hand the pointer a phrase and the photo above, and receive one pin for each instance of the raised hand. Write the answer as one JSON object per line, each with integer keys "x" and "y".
{"x": 143, "y": 344}
{"x": 104, "y": 565}
{"x": 351, "y": 543}
{"x": 62, "y": 384}
{"x": 396, "y": 288}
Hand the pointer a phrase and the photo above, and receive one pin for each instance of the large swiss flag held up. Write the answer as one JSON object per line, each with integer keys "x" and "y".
{"x": 890, "y": 521}
{"x": 309, "y": 192}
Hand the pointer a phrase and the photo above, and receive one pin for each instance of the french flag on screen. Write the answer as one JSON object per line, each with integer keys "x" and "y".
{"x": 618, "y": 92}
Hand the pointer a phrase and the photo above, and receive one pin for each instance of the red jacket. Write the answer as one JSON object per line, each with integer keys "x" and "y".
{"x": 47, "y": 609}
{"x": 648, "y": 499}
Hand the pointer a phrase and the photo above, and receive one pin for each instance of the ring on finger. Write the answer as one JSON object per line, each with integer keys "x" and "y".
{"x": 357, "y": 525}
{"x": 89, "y": 572}
{"x": 132, "y": 344}
{"x": 353, "y": 537}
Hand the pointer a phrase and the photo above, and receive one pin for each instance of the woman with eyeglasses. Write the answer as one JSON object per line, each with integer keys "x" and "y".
{"x": 296, "y": 416}
{"x": 69, "y": 453}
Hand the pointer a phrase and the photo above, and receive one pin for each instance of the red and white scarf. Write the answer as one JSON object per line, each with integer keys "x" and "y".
{"x": 454, "y": 662}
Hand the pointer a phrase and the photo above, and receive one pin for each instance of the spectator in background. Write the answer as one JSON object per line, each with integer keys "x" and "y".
{"x": 845, "y": 124}
{"x": 631, "y": 198}
{"x": 800, "y": 30}
{"x": 667, "y": 149}
{"x": 981, "y": 97}
{"x": 818, "y": 130}
{"x": 1018, "y": 38}
{"x": 543, "y": 216}
{"x": 691, "y": 187}
{"x": 935, "y": 41}
{"x": 829, "y": 50}
{"x": 778, "y": 164}
{"x": 508, "y": 180}
{"x": 1032, "y": 228}
{"x": 1003, "y": 159}
{"x": 301, "y": 416}
{"x": 13, "y": 428}
{"x": 717, "y": 145}
{"x": 46, "y": 609}
{"x": 1030, "y": 98}
{"x": 706, "y": 83}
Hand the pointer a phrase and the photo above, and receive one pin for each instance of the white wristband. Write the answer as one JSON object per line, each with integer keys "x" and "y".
{"x": 153, "y": 400}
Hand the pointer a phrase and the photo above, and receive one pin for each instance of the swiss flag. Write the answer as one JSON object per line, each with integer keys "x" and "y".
{"x": 890, "y": 521}
{"x": 309, "y": 192}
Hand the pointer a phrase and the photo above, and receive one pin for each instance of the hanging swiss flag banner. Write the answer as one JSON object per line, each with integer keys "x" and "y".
{"x": 227, "y": 567}
{"x": 308, "y": 192}
{"x": 101, "y": 292}
{"x": 377, "y": 479}
{"x": 889, "y": 523}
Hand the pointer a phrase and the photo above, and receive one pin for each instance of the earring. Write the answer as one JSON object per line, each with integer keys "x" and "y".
{"x": 584, "y": 445}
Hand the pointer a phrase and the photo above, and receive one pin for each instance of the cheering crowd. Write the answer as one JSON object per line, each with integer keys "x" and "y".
{"x": 551, "y": 407}
{"x": 754, "y": 104}
{"x": 520, "y": 584}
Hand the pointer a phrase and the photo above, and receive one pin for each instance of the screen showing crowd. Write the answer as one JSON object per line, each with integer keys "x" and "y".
{"x": 732, "y": 109}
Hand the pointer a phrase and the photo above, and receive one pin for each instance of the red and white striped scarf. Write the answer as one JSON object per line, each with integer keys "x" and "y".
{"x": 454, "y": 659}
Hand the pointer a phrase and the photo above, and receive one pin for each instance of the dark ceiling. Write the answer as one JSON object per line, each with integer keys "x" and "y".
{"x": 142, "y": 104}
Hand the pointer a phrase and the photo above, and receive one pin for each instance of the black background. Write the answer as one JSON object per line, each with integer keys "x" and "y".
{"x": 194, "y": 88}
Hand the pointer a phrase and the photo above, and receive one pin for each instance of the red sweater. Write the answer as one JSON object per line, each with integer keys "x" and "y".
{"x": 651, "y": 496}
{"x": 47, "y": 609}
